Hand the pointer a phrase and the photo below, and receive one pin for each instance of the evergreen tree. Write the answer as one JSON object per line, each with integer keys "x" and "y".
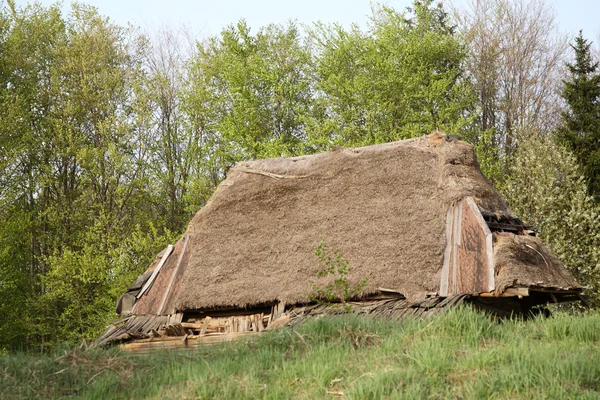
{"x": 581, "y": 121}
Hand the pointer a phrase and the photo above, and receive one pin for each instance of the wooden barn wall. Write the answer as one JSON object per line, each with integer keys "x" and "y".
{"x": 155, "y": 298}
{"x": 168, "y": 306}
{"x": 468, "y": 265}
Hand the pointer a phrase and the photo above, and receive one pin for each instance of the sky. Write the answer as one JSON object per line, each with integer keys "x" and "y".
{"x": 206, "y": 17}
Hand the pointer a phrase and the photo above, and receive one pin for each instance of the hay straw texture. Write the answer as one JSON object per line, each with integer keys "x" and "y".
{"x": 383, "y": 207}
{"x": 524, "y": 261}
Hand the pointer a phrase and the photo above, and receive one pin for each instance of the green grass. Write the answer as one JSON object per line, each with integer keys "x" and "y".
{"x": 462, "y": 354}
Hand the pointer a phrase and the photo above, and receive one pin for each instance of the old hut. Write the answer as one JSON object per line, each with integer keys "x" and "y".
{"x": 416, "y": 218}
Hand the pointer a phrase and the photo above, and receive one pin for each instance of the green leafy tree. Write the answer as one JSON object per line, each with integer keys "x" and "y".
{"x": 404, "y": 77}
{"x": 249, "y": 95}
{"x": 547, "y": 189}
{"x": 581, "y": 129}
{"x": 74, "y": 170}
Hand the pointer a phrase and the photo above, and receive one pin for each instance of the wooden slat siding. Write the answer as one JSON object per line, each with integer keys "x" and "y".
{"x": 455, "y": 243}
{"x": 489, "y": 251}
{"x": 169, "y": 306}
{"x": 472, "y": 259}
{"x": 447, "y": 253}
{"x": 174, "y": 275}
{"x": 156, "y": 271}
{"x": 149, "y": 302}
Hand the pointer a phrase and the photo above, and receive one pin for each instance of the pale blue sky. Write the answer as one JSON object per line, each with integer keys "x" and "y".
{"x": 206, "y": 18}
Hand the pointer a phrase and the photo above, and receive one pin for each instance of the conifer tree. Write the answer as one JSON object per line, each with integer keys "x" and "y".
{"x": 581, "y": 121}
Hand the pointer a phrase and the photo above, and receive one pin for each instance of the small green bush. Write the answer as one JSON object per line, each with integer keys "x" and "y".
{"x": 339, "y": 289}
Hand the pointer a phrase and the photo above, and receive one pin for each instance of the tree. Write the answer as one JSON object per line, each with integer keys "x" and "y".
{"x": 173, "y": 145}
{"x": 514, "y": 61}
{"x": 74, "y": 168}
{"x": 548, "y": 191}
{"x": 248, "y": 96}
{"x": 404, "y": 77}
{"x": 580, "y": 131}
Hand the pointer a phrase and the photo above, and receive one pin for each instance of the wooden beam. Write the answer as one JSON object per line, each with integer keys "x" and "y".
{"x": 175, "y": 342}
{"x": 505, "y": 227}
{"x": 447, "y": 253}
{"x": 510, "y": 292}
{"x": 168, "y": 289}
{"x": 156, "y": 271}
{"x": 395, "y": 291}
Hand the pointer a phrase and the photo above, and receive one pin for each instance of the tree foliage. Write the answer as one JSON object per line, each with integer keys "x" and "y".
{"x": 547, "y": 189}
{"x": 581, "y": 120}
{"x": 514, "y": 62}
{"x": 402, "y": 78}
{"x": 74, "y": 168}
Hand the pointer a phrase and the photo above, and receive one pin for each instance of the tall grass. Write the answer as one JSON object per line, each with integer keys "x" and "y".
{"x": 461, "y": 354}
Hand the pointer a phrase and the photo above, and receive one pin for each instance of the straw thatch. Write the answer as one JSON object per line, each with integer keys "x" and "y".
{"x": 383, "y": 207}
{"x": 524, "y": 261}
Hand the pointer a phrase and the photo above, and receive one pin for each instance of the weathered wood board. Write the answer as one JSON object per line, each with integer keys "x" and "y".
{"x": 156, "y": 300}
{"x": 468, "y": 265}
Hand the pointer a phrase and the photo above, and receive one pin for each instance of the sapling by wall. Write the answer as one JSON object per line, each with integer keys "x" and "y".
{"x": 339, "y": 289}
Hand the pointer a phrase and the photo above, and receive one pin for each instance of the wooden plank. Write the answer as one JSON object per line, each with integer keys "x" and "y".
{"x": 261, "y": 326}
{"x": 205, "y": 325}
{"x": 447, "y": 253}
{"x": 168, "y": 289}
{"x": 148, "y": 283}
{"x": 279, "y": 309}
{"x": 491, "y": 275}
{"x": 554, "y": 290}
{"x": 489, "y": 249}
{"x": 472, "y": 252}
{"x": 455, "y": 243}
{"x": 191, "y": 341}
{"x": 510, "y": 292}
{"x": 394, "y": 291}
{"x": 477, "y": 213}
{"x": 199, "y": 326}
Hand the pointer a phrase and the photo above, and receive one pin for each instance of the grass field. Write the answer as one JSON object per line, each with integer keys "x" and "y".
{"x": 462, "y": 354}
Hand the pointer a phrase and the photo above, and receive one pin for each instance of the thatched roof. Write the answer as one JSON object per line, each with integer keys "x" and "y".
{"x": 383, "y": 207}
{"x": 416, "y": 218}
{"x": 524, "y": 261}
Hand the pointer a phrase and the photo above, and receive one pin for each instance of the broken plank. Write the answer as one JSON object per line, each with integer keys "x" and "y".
{"x": 173, "y": 275}
{"x": 156, "y": 271}
{"x": 510, "y": 292}
{"x": 177, "y": 342}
